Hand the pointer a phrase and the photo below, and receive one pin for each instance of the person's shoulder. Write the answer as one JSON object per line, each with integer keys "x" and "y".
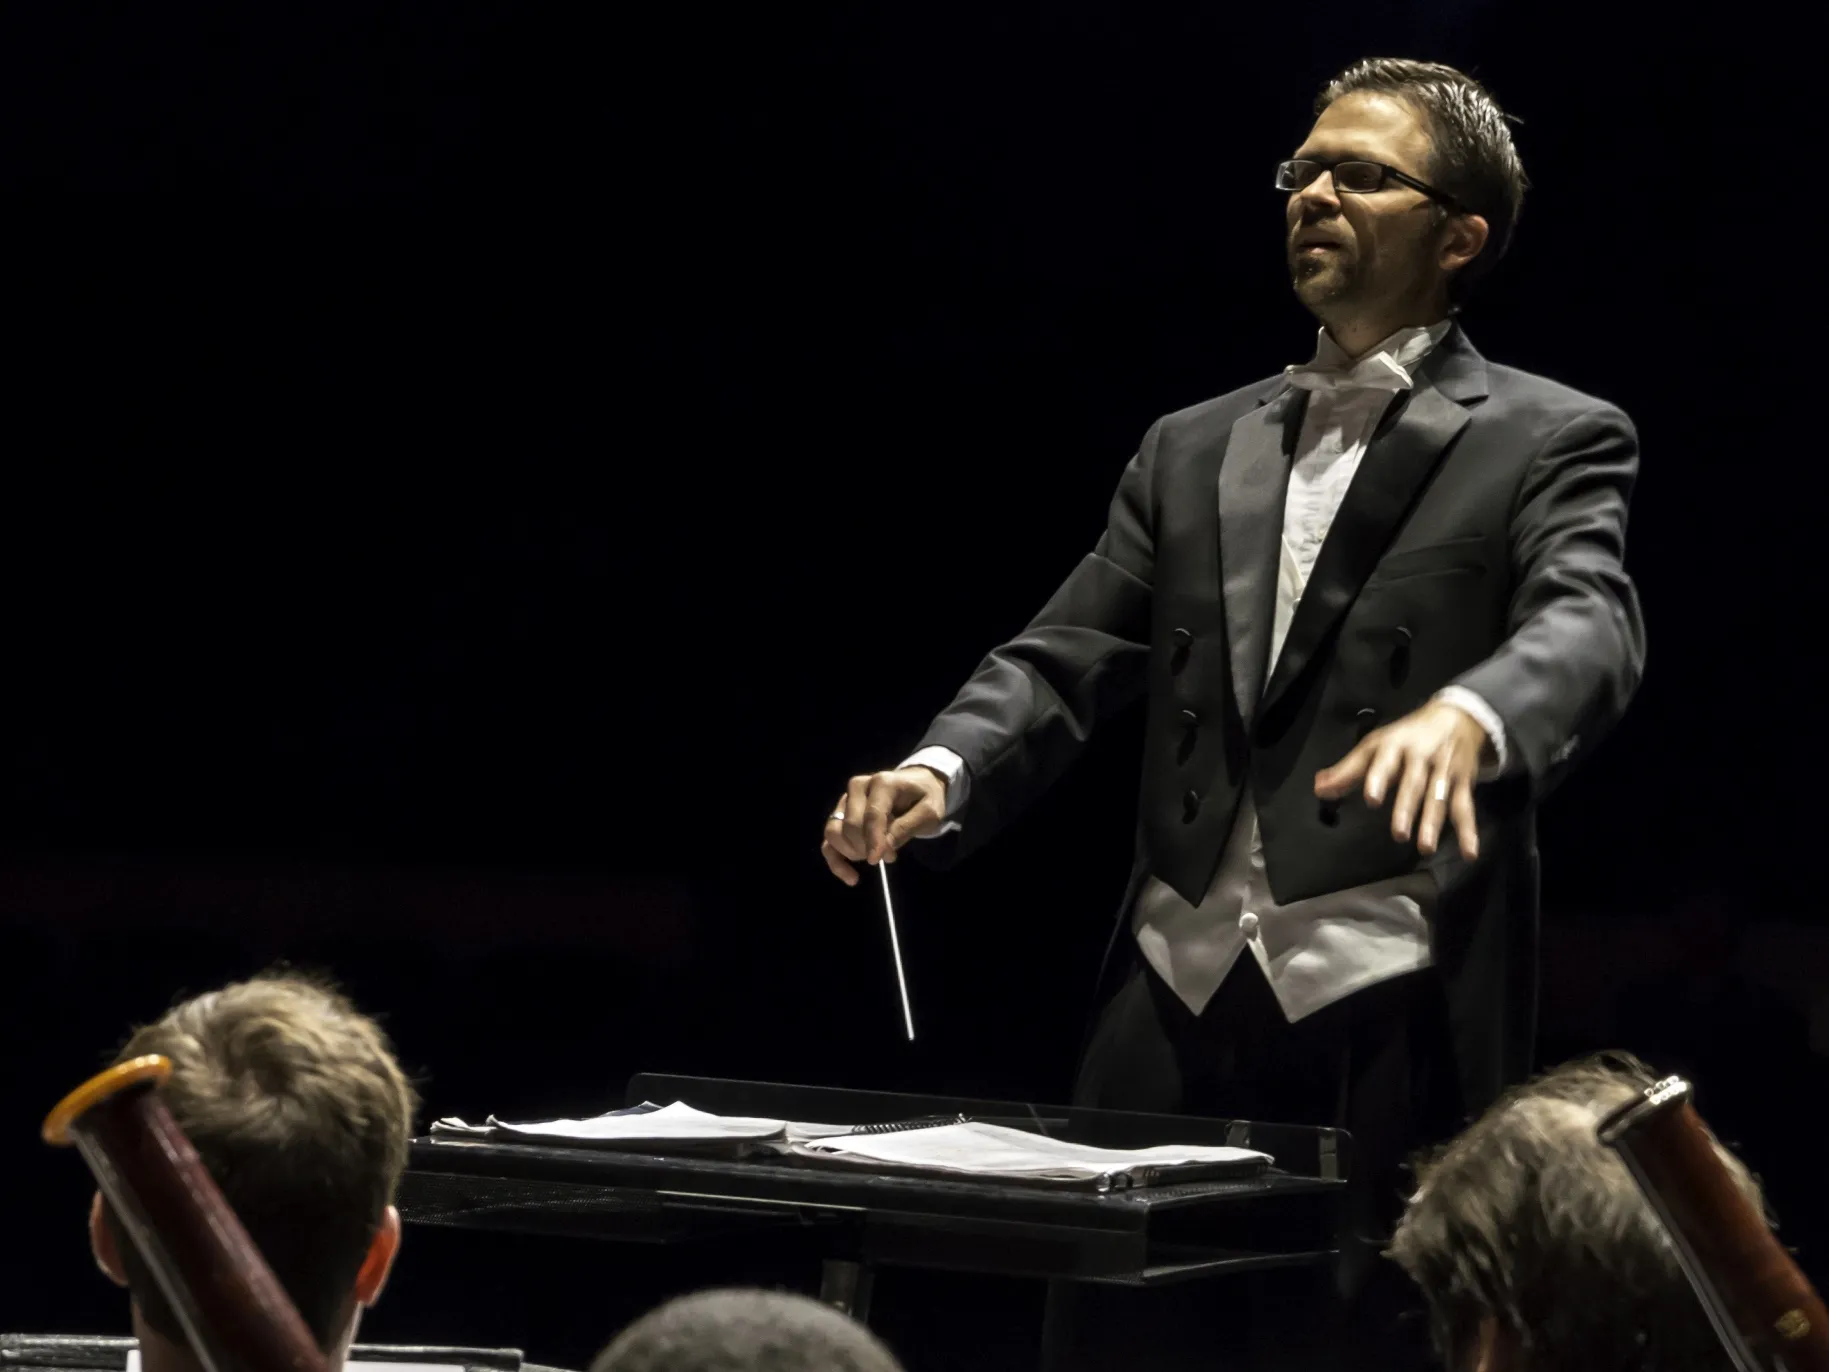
{"x": 1546, "y": 403}
{"x": 1214, "y": 418}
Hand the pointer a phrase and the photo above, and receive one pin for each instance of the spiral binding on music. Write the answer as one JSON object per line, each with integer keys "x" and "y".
{"x": 897, "y": 1126}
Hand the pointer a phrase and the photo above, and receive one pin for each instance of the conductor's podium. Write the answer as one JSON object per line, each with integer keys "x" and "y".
{"x": 855, "y": 1220}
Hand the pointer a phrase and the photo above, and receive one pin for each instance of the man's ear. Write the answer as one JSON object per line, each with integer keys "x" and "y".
{"x": 1463, "y": 239}
{"x": 380, "y": 1260}
{"x": 102, "y": 1243}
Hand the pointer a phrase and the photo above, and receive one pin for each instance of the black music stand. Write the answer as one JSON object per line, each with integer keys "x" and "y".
{"x": 856, "y": 1220}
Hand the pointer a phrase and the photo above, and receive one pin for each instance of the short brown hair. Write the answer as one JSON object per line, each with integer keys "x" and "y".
{"x": 301, "y": 1114}
{"x": 1471, "y": 154}
{"x": 745, "y": 1331}
{"x": 1529, "y": 1220}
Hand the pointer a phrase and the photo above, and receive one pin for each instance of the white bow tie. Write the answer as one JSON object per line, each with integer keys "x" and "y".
{"x": 1375, "y": 373}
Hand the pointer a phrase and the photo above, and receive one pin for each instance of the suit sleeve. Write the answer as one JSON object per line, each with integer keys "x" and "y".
{"x": 1576, "y": 644}
{"x": 1033, "y": 703}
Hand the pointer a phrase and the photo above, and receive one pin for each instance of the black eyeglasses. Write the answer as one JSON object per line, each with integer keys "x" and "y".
{"x": 1355, "y": 178}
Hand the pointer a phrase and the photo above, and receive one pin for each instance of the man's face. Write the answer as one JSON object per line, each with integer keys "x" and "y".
{"x": 1349, "y": 253}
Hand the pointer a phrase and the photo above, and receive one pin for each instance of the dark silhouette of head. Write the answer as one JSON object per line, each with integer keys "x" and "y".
{"x": 745, "y": 1331}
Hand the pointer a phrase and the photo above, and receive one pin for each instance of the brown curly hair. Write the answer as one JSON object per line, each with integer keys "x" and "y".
{"x": 298, "y": 1109}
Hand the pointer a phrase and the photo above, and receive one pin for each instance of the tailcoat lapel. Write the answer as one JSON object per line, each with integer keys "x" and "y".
{"x": 1396, "y": 467}
{"x": 1253, "y": 483}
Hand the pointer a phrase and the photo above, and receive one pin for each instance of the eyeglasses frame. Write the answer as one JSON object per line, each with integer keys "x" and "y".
{"x": 1441, "y": 197}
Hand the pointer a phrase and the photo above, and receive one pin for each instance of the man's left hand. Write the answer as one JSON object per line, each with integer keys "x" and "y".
{"x": 1433, "y": 754}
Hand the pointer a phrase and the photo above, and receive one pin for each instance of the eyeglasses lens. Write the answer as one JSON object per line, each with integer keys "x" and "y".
{"x": 1355, "y": 178}
{"x": 1358, "y": 178}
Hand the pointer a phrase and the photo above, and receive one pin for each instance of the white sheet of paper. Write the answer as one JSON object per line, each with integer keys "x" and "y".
{"x": 676, "y": 1122}
{"x": 803, "y": 1133}
{"x": 133, "y": 1365}
{"x": 997, "y": 1150}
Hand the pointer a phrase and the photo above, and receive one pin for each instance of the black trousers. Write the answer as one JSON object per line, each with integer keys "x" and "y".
{"x": 1377, "y": 1063}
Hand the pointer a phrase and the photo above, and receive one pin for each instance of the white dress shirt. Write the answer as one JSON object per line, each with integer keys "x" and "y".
{"x": 1315, "y": 951}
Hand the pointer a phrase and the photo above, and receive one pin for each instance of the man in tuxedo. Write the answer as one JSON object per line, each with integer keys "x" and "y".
{"x": 1371, "y": 598}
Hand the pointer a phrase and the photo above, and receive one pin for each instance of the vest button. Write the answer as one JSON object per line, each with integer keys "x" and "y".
{"x": 1182, "y": 638}
{"x": 1190, "y": 804}
{"x": 1247, "y": 924}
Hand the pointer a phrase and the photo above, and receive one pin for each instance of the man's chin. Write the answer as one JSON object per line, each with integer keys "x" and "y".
{"x": 1320, "y": 285}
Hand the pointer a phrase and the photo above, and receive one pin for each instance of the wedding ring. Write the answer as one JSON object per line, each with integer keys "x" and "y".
{"x": 839, "y": 815}
{"x": 1441, "y": 788}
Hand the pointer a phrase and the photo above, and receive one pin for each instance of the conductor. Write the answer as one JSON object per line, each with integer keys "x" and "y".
{"x": 1375, "y": 608}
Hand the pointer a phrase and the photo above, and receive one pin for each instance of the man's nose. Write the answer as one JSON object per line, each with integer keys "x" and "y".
{"x": 1318, "y": 196}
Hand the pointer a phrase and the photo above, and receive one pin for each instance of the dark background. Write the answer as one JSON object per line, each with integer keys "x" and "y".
{"x": 477, "y": 483}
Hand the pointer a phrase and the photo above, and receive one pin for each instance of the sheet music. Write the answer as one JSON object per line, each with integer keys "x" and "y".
{"x": 964, "y": 1148}
{"x": 995, "y": 1150}
{"x": 354, "y": 1365}
{"x": 676, "y": 1123}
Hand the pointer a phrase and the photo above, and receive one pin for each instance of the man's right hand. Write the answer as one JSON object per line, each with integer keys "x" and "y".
{"x": 878, "y": 813}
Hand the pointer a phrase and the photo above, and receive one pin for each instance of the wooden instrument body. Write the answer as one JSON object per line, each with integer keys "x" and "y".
{"x": 1767, "y": 1314}
{"x": 237, "y": 1316}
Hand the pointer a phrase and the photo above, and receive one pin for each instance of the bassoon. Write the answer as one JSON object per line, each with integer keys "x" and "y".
{"x": 1766, "y": 1313}
{"x": 234, "y": 1312}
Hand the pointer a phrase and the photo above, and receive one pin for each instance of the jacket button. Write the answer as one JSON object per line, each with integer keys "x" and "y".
{"x": 1189, "y": 718}
{"x": 1182, "y": 638}
{"x": 1190, "y": 804}
{"x": 1403, "y": 636}
{"x": 1247, "y": 924}
{"x": 1364, "y": 721}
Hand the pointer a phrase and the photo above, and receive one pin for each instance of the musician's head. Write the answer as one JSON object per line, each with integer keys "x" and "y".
{"x": 301, "y": 1114}
{"x": 1401, "y": 197}
{"x": 1537, "y": 1252}
{"x": 745, "y": 1331}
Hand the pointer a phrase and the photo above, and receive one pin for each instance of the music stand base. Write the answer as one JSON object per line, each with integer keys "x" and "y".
{"x": 845, "y": 1285}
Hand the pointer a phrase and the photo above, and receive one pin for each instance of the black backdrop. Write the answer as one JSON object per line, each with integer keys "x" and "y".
{"x": 477, "y": 483}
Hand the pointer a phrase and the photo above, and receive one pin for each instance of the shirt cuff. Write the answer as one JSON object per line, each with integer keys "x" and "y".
{"x": 1486, "y": 717}
{"x": 958, "y": 781}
